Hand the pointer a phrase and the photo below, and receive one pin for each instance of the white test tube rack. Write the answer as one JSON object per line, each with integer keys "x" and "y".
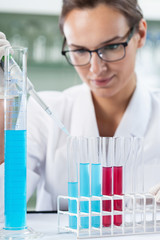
{"x": 139, "y": 211}
{"x": 140, "y": 216}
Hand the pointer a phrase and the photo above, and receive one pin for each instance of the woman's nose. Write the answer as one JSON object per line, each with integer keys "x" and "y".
{"x": 97, "y": 65}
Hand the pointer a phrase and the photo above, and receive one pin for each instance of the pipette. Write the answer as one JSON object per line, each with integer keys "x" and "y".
{"x": 15, "y": 69}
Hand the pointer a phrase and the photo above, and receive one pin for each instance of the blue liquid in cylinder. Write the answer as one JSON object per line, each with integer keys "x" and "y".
{"x": 72, "y": 204}
{"x": 85, "y": 192}
{"x": 95, "y": 191}
{"x": 15, "y": 179}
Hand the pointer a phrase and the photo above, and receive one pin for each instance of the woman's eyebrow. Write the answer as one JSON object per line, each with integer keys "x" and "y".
{"x": 113, "y": 39}
{"x": 74, "y": 45}
{"x": 106, "y": 42}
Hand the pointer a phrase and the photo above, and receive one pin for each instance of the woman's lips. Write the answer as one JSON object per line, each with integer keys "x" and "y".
{"x": 101, "y": 82}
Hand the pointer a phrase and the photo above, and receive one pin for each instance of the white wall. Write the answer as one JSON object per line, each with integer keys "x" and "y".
{"x": 150, "y": 7}
{"x": 31, "y": 6}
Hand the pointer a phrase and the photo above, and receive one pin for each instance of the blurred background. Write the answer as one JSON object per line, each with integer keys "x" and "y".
{"x": 34, "y": 24}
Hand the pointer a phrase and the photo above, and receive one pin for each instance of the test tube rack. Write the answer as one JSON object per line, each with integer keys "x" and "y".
{"x": 140, "y": 215}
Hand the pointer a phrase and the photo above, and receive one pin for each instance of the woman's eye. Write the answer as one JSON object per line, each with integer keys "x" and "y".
{"x": 111, "y": 47}
{"x": 80, "y": 51}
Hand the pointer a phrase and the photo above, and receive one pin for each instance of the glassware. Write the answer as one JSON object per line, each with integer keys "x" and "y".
{"x": 84, "y": 178}
{"x": 105, "y": 173}
{"x": 15, "y": 142}
{"x": 107, "y": 177}
{"x": 94, "y": 154}
{"x": 15, "y": 150}
{"x": 72, "y": 180}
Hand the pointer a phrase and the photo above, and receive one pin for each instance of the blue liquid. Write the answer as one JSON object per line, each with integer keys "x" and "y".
{"x": 15, "y": 179}
{"x": 95, "y": 191}
{"x": 72, "y": 204}
{"x": 85, "y": 192}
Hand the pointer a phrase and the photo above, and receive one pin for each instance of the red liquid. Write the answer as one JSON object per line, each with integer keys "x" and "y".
{"x": 117, "y": 189}
{"x": 106, "y": 190}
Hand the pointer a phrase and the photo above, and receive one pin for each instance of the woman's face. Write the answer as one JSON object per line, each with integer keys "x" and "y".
{"x": 91, "y": 29}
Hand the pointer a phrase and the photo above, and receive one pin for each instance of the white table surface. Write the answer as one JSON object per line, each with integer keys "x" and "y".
{"x": 47, "y": 225}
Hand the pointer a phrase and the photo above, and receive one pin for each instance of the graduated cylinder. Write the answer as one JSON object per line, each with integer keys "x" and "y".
{"x": 15, "y": 138}
{"x": 102, "y": 166}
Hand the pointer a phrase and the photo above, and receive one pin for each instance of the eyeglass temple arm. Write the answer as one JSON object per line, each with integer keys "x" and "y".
{"x": 63, "y": 45}
{"x": 131, "y": 34}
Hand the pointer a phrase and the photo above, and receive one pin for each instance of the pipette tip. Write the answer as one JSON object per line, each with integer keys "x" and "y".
{"x": 66, "y": 131}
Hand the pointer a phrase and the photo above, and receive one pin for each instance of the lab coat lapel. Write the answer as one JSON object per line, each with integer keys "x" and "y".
{"x": 83, "y": 122}
{"x": 137, "y": 114}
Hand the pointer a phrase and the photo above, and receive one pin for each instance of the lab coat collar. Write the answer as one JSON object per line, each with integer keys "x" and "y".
{"x": 134, "y": 121}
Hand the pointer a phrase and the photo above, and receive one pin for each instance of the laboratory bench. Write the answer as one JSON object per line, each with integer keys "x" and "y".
{"x": 46, "y": 225}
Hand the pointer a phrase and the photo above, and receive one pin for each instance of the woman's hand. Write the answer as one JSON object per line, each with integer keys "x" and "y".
{"x": 3, "y": 44}
{"x": 155, "y": 191}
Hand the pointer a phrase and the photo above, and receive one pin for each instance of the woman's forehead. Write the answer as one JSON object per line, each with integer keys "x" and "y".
{"x": 94, "y": 25}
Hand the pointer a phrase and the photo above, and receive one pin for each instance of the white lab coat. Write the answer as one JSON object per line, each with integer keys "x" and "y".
{"x": 47, "y": 164}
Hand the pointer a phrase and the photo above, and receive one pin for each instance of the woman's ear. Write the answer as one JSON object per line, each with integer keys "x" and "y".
{"x": 142, "y": 33}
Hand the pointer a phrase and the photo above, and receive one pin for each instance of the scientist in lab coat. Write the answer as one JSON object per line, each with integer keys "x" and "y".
{"x": 101, "y": 39}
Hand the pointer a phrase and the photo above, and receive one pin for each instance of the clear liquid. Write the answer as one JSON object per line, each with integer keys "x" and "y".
{"x": 15, "y": 179}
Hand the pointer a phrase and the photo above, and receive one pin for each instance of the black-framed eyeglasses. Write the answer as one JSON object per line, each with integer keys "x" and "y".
{"x": 108, "y": 53}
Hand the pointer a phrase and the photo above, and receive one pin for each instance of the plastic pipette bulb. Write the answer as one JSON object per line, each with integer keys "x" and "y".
{"x": 15, "y": 70}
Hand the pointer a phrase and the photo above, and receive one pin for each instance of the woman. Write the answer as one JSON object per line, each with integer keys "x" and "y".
{"x": 101, "y": 39}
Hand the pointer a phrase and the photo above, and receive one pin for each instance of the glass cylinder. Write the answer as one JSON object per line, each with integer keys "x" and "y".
{"x": 15, "y": 138}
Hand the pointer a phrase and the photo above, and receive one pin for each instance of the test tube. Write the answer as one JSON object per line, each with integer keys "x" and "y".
{"x": 107, "y": 177}
{"x": 118, "y": 176}
{"x": 72, "y": 179}
{"x": 94, "y": 151}
{"x": 15, "y": 142}
{"x": 138, "y": 170}
{"x": 84, "y": 178}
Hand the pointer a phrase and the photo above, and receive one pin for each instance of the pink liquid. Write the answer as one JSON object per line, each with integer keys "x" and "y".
{"x": 106, "y": 190}
{"x": 117, "y": 189}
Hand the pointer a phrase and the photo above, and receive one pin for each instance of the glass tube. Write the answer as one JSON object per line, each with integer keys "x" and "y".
{"x": 94, "y": 152}
{"x": 72, "y": 147}
{"x": 138, "y": 170}
{"x": 118, "y": 176}
{"x": 84, "y": 178}
{"x": 107, "y": 177}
